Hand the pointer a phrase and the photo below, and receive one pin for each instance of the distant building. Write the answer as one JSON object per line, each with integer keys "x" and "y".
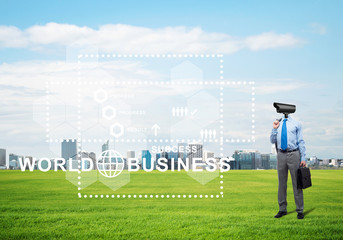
{"x": 146, "y": 159}
{"x": 258, "y": 161}
{"x": 139, "y": 157}
{"x": 14, "y": 161}
{"x": 92, "y": 156}
{"x": 69, "y": 150}
{"x": 45, "y": 164}
{"x": 182, "y": 152}
{"x": 207, "y": 155}
{"x": 2, "y": 157}
{"x": 324, "y": 162}
{"x": 196, "y": 154}
{"x": 105, "y": 146}
{"x": 313, "y": 161}
{"x": 265, "y": 160}
{"x": 52, "y": 164}
{"x": 162, "y": 155}
{"x": 30, "y": 160}
{"x": 172, "y": 158}
{"x": 129, "y": 154}
{"x": 273, "y": 161}
{"x": 333, "y": 162}
{"x": 13, "y": 164}
{"x": 247, "y": 159}
{"x": 232, "y": 163}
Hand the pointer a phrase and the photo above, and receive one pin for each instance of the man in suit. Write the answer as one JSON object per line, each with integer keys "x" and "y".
{"x": 287, "y": 133}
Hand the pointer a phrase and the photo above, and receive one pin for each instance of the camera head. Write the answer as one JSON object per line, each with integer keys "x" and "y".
{"x": 284, "y": 108}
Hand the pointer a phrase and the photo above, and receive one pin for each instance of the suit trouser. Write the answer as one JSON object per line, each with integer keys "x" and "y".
{"x": 289, "y": 161}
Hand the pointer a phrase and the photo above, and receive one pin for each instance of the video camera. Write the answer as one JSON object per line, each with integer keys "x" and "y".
{"x": 284, "y": 108}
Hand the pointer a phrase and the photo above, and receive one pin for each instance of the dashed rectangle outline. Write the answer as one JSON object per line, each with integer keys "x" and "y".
{"x": 222, "y": 83}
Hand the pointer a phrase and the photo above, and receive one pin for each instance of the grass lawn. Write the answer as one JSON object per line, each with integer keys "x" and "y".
{"x": 37, "y": 205}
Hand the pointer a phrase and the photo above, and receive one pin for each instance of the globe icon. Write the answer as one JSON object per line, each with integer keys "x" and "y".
{"x": 110, "y": 163}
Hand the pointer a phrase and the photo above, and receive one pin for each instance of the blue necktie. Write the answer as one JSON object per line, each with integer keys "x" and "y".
{"x": 284, "y": 135}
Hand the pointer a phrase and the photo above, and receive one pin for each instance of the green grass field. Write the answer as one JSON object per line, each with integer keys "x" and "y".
{"x": 37, "y": 205}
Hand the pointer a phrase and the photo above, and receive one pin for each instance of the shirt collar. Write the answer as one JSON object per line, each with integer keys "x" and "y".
{"x": 289, "y": 118}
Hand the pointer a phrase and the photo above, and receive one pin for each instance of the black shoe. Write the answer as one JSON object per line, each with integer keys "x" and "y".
{"x": 300, "y": 215}
{"x": 280, "y": 214}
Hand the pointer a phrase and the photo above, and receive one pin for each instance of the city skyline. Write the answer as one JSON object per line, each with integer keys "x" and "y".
{"x": 291, "y": 60}
{"x": 242, "y": 159}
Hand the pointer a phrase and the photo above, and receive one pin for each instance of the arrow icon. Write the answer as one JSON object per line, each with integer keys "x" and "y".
{"x": 155, "y": 127}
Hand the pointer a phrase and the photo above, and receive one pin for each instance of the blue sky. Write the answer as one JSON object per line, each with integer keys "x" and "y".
{"x": 308, "y": 53}
{"x": 236, "y": 17}
{"x": 232, "y": 17}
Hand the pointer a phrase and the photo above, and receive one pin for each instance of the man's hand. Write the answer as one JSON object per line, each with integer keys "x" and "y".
{"x": 276, "y": 124}
{"x": 302, "y": 164}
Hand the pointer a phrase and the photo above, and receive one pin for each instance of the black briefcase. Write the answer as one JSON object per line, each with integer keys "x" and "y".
{"x": 304, "y": 178}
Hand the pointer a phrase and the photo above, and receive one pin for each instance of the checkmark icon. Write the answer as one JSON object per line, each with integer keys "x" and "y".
{"x": 194, "y": 112}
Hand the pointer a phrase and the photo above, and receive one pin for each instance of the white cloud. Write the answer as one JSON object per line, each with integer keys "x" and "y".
{"x": 12, "y": 37}
{"x": 132, "y": 39}
{"x": 54, "y": 33}
{"x": 271, "y": 40}
{"x": 271, "y": 86}
{"x": 23, "y": 84}
{"x": 279, "y": 85}
{"x": 318, "y": 28}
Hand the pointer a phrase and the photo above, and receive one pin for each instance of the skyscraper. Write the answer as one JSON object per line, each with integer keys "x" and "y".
{"x": 182, "y": 151}
{"x": 105, "y": 146}
{"x": 129, "y": 154}
{"x": 231, "y": 162}
{"x": 30, "y": 160}
{"x": 2, "y": 157}
{"x": 265, "y": 158}
{"x": 207, "y": 155}
{"x": 69, "y": 150}
{"x": 13, "y": 160}
{"x": 162, "y": 155}
{"x": 172, "y": 155}
{"x": 146, "y": 159}
{"x": 247, "y": 159}
{"x": 234, "y": 164}
{"x": 197, "y": 153}
{"x": 272, "y": 161}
